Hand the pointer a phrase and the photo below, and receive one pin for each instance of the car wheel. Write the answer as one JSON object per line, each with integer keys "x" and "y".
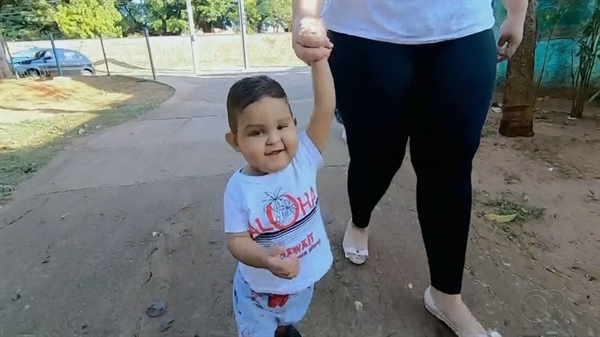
{"x": 31, "y": 73}
{"x": 86, "y": 72}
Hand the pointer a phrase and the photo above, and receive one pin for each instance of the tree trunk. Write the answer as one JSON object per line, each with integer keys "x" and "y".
{"x": 5, "y": 71}
{"x": 519, "y": 94}
{"x": 164, "y": 27}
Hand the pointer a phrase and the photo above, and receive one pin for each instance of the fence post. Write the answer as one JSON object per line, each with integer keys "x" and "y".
{"x": 242, "y": 13}
{"x": 150, "y": 53}
{"x": 104, "y": 55}
{"x": 192, "y": 29}
{"x": 60, "y": 73}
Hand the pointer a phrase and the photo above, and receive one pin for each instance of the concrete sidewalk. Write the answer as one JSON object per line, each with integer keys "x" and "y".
{"x": 134, "y": 213}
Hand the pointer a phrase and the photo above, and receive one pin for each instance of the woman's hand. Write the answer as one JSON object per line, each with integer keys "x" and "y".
{"x": 511, "y": 35}
{"x": 309, "y": 38}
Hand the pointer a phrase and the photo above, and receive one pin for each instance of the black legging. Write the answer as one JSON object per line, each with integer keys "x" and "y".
{"x": 437, "y": 95}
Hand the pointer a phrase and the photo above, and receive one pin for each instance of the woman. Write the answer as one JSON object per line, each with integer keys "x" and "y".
{"x": 423, "y": 70}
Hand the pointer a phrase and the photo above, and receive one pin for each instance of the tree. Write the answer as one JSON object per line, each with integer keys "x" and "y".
{"x": 85, "y": 19}
{"x": 278, "y": 13}
{"x": 588, "y": 56}
{"x": 5, "y": 71}
{"x": 209, "y": 14}
{"x": 166, "y": 17}
{"x": 254, "y": 19}
{"x": 28, "y": 19}
{"x": 519, "y": 94}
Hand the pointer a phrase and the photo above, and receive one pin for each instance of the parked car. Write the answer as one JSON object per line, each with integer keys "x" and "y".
{"x": 24, "y": 54}
{"x": 43, "y": 63}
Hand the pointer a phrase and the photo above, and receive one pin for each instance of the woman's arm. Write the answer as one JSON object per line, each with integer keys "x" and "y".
{"x": 307, "y": 8}
{"x": 309, "y": 47}
{"x": 516, "y": 9}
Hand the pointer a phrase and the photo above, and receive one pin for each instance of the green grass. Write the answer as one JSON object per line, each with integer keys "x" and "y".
{"x": 509, "y": 205}
{"x": 523, "y": 211}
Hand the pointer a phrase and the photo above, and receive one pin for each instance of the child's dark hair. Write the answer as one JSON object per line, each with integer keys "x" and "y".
{"x": 247, "y": 91}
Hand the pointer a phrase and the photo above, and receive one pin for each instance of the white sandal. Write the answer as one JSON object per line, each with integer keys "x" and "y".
{"x": 355, "y": 256}
{"x": 430, "y": 306}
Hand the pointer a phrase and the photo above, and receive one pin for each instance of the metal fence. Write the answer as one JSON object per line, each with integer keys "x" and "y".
{"x": 228, "y": 51}
{"x": 173, "y": 54}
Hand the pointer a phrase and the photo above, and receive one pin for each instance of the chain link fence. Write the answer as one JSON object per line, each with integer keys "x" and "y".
{"x": 173, "y": 54}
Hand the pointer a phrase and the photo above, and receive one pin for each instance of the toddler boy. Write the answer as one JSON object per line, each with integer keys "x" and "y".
{"x": 271, "y": 205}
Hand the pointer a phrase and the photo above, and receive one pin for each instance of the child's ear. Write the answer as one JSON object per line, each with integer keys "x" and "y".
{"x": 232, "y": 141}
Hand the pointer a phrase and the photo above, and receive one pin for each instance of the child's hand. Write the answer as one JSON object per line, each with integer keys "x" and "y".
{"x": 310, "y": 41}
{"x": 282, "y": 267}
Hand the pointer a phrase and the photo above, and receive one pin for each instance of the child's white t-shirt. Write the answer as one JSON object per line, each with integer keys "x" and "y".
{"x": 282, "y": 208}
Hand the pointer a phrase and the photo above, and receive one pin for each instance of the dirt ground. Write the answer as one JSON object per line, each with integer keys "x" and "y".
{"x": 552, "y": 182}
{"x": 134, "y": 213}
{"x": 39, "y": 117}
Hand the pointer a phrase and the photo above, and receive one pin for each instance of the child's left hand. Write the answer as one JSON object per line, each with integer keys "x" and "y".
{"x": 286, "y": 268}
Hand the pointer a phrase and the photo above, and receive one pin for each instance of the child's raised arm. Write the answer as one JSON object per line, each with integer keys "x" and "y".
{"x": 319, "y": 126}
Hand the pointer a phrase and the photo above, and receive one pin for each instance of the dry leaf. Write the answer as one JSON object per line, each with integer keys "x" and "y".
{"x": 500, "y": 218}
{"x": 410, "y": 286}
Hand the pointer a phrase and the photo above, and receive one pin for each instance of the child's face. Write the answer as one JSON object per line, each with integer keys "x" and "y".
{"x": 266, "y": 135}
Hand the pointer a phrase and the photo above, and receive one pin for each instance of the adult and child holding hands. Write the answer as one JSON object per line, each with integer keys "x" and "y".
{"x": 394, "y": 69}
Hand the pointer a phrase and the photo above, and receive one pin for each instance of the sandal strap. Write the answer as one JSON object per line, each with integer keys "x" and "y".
{"x": 490, "y": 333}
{"x": 353, "y": 251}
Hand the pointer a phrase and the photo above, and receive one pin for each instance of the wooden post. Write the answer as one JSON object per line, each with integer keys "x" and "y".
{"x": 60, "y": 73}
{"x": 104, "y": 54}
{"x": 150, "y": 53}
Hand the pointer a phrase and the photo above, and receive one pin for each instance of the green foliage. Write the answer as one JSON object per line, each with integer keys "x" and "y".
{"x": 213, "y": 13}
{"x": 555, "y": 18}
{"x": 34, "y": 19}
{"x": 89, "y": 18}
{"x": 584, "y": 60}
{"x": 254, "y": 19}
{"x": 27, "y": 19}
{"x": 559, "y": 20}
{"x": 169, "y": 17}
{"x": 166, "y": 17}
{"x": 261, "y": 14}
{"x": 277, "y": 13}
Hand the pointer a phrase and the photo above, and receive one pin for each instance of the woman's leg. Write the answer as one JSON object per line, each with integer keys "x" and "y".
{"x": 454, "y": 92}
{"x": 372, "y": 80}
